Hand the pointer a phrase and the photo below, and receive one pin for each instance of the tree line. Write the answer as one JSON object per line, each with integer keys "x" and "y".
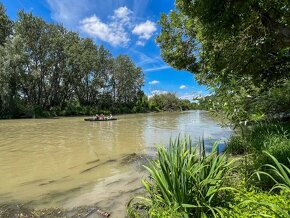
{"x": 46, "y": 69}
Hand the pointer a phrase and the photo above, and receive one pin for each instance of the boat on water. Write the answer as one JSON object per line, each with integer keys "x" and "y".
{"x": 95, "y": 119}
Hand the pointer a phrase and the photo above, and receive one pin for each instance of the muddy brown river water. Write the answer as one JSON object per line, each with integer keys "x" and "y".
{"x": 68, "y": 162}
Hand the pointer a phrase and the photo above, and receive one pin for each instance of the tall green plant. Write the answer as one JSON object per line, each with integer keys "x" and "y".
{"x": 185, "y": 177}
{"x": 278, "y": 172}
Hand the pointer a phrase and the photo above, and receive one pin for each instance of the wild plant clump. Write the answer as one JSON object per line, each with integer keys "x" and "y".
{"x": 184, "y": 177}
{"x": 185, "y": 181}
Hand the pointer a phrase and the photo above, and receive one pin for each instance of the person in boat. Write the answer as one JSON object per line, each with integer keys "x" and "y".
{"x": 110, "y": 117}
{"x": 101, "y": 117}
{"x": 97, "y": 116}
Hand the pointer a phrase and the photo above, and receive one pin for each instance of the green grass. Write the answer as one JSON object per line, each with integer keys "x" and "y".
{"x": 237, "y": 145}
{"x": 272, "y": 138}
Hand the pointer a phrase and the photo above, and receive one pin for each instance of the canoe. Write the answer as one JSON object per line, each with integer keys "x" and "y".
{"x": 94, "y": 119}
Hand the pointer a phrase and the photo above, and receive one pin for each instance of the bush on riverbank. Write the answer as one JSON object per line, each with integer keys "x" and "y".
{"x": 169, "y": 102}
{"x": 273, "y": 138}
{"x": 259, "y": 204}
{"x": 187, "y": 182}
{"x": 185, "y": 178}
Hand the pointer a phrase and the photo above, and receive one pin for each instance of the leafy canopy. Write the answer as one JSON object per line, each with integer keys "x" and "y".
{"x": 239, "y": 48}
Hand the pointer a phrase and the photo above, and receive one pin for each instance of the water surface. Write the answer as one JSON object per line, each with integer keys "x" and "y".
{"x": 68, "y": 162}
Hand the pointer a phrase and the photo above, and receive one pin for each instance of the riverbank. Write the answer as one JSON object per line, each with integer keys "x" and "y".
{"x": 250, "y": 179}
{"x": 156, "y": 103}
{"x": 20, "y": 211}
{"x": 61, "y": 115}
{"x": 50, "y": 115}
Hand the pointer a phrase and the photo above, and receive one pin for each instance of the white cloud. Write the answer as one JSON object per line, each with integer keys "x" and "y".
{"x": 201, "y": 94}
{"x": 145, "y": 30}
{"x": 122, "y": 12}
{"x": 113, "y": 33}
{"x": 154, "y": 82}
{"x": 183, "y": 87}
{"x": 70, "y": 12}
{"x": 123, "y": 15}
{"x": 157, "y": 92}
{"x": 190, "y": 97}
{"x": 156, "y": 68}
{"x": 116, "y": 30}
{"x": 140, "y": 43}
{"x": 187, "y": 97}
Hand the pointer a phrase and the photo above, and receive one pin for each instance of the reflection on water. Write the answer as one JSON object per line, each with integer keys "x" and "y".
{"x": 68, "y": 162}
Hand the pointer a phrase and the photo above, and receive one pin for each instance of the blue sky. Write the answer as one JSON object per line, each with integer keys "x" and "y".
{"x": 123, "y": 27}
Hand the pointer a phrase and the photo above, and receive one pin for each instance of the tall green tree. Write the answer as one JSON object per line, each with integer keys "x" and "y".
{"x": 5, "y": 25}
{"x": 220, "y": 40}
{"x": 127, "y": 80}
{"x": 44, "y": 67}
{"x": 230, "y": 44}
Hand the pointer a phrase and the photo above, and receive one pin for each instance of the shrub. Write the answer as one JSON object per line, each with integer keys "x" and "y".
{"x": 273, "y": 139}
{"x": 259, "y": 204}
{"x": 279, "y": 148}
{"x": 185, "y": 177}
{"x": 168, "y": 102}
{"x": 262, "y": 136}
{"x": 185, "y": 182}
{"x": 237, "y": 145}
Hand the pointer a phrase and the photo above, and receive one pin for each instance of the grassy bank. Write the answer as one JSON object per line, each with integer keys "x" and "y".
{"x": 250, "y": 179}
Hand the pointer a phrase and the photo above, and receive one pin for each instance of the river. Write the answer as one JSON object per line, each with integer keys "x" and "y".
{"x": 68, "y": 162}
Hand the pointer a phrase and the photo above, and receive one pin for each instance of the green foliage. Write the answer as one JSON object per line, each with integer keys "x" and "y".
{"x": 161, "y": 212}
{"x": 229, "y": 44}
{"x": 186, "y": 178}
{"x": 278, "y": 172}
{"x": 279, "y": 148}
{"x": 168, "y": 102}
{"x": 44, "y": 67}
{"x": 142, "y": 105}
{"x": 142, "y": 209}
{"x": 164, "y": 102}
{"x": 6, "y": 25}
{"x": 186, "y": 104}
{"x": 273, "y": 138}
{"x": 259, "y": 204}
{"x": 238, "y": 48}
{"x": 237, "y": 145}
{"x": 185, "y": 182}
{"x": 274, "y": 102}
{"x": 257, "y": 142}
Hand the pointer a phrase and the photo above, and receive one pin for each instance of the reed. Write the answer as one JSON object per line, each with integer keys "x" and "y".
{"x": 185, "y": 177}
